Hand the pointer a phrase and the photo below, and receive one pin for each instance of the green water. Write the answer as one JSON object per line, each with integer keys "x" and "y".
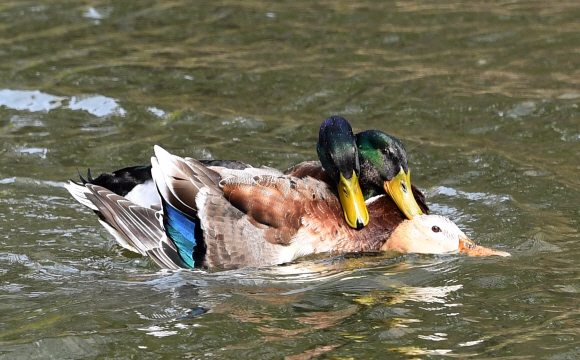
{"x": 484, "y": 95}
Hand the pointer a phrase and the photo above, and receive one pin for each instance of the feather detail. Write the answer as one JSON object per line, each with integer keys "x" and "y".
{"x": 181, "y": 230}
{"x": 312, "y": 169}
{"x": 229, "y": 218}
{"x": 135, "y": 227}
{"x": 231, "y": 239}
{"x": 79, "y": 193}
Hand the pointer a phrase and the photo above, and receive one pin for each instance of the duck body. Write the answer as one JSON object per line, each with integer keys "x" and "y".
{"x": 357, "y": 167}
{"x": 217, "y": 217}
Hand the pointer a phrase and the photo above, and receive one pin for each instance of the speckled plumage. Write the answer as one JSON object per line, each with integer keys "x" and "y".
{"x": 219, "y": 217}
{"x": 251, "y": 217}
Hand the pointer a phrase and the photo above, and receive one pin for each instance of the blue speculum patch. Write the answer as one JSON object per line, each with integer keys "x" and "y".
{"x": 181, "y": 229}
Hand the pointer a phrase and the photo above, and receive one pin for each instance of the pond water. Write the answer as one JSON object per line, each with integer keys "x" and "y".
{"x": 484, "y": 95}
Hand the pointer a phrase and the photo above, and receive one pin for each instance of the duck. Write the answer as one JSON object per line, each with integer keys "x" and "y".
{"x": 357, "y": 166}
{"x": 219, "y": 217}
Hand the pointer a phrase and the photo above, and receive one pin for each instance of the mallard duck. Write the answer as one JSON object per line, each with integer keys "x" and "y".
{"x": 213, "y": 216}
{"x": 338, "y": 155}
{"x": 361, "y": 166}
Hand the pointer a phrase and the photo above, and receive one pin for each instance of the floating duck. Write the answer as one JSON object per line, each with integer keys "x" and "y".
{"x": 223, "y": 217}
{"x": 358, "y": 166}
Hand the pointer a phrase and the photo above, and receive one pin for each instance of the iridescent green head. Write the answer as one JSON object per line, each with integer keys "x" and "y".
{"x": 384, "y": 168}
{"x": 338, "y": 154}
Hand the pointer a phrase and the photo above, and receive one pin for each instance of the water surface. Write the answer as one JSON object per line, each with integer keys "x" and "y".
{"x": 484, "y": 95}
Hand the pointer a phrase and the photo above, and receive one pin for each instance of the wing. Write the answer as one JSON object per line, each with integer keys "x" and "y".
{"x": 135, "y": 227}
{"x": 231, "y": 237}
{"x": 313, "y": 169}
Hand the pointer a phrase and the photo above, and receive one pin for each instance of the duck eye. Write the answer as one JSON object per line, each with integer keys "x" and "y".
{"x": 436, "y": 229}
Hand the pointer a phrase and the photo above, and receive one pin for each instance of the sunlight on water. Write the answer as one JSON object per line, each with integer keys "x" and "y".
{"x": 96, "y": 105}
{"x": 36, "y": 101}
{"x": 484, "y": 96}
{"x": 29, "y": 100}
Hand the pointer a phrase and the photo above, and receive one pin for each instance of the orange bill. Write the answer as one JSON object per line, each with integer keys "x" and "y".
{"x": 467, "y": 246}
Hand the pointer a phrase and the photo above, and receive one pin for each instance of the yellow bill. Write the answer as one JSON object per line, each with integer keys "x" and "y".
{"x": 353, "y": 202}
{"x": 400, "y": 191}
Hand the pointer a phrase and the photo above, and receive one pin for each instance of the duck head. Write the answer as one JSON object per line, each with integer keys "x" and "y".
{"x": 338, "y": 155}
{"x": 434, "y": 234}
{"x": 384, "y": 168}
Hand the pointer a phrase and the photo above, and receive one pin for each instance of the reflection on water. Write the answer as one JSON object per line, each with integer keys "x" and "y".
{"x": 96, "y": 105}
{"x": 36, "y": 101}
{"x": 29, "y": 100}
{"x": 419, "y": 294}
{"x": 485, "y": 97}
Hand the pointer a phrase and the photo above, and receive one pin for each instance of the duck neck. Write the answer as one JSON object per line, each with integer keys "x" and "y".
{"x": 399, "y": 239}
{"x": 370, "y": 180}
{"x": 385, "y": 219}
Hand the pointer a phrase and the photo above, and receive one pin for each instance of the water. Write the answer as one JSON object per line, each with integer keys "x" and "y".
{"x": 484, "y": 95}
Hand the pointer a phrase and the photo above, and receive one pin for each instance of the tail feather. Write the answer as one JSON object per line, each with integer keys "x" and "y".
{"x": 135, "y": 227}
{"x": 83, "y": 180}
{"x": 80, "y": 192}
{"x": 120, "y": 237}
{"x": 139, "y": 224}
{"x": 89, "y": 178}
